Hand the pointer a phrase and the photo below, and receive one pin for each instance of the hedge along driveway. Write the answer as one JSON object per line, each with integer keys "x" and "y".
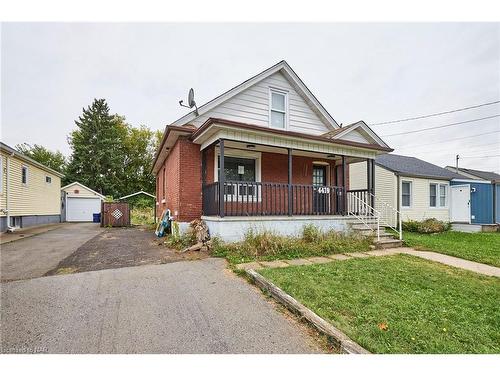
{"x": 478, "y": 247}
{"x": 400, "y": 304}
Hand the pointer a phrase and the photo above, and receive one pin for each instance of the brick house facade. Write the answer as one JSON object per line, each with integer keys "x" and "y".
{"x": 282, "y": 152}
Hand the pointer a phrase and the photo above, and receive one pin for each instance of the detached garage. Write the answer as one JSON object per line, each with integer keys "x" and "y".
{"x": 80, "y": 203}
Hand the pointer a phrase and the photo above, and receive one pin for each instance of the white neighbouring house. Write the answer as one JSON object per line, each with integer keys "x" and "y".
{"x": 418, "y": 189}
{"x": 80, "y": 202}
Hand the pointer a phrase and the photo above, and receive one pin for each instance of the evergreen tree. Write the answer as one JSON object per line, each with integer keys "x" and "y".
{"x": 98, "y": 149}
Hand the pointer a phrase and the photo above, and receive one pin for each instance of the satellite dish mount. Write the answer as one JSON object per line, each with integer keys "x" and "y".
{"x": 191, "y": 102}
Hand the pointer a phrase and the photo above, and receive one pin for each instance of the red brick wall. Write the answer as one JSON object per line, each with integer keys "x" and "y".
{"x": 183, "y": 181}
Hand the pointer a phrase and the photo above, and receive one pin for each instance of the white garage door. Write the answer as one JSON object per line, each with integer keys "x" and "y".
{"x": 81, "y": 209}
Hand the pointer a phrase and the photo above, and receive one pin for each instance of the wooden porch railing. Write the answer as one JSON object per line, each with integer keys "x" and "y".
{"x": 268, "y": 199}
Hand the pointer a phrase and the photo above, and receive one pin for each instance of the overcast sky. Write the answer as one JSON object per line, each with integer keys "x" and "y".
{"x": 373, "y": 72}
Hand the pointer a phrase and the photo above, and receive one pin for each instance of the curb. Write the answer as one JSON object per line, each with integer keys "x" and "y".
{"x": 344, "y": 343}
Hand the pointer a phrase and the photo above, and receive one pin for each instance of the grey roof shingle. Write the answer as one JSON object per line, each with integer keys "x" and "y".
{"x": 411, "y": 166}
{"x": 485, "y": 175}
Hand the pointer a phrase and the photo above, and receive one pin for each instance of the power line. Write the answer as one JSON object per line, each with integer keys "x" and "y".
{"x": 440, "y": 126}
{"x": 435, "y": 114}
{"x": 453, "y": 139}
{"x": 480, "y": 157}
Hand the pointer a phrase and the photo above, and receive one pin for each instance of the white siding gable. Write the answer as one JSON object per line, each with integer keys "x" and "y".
{"x": 251, "y": 106}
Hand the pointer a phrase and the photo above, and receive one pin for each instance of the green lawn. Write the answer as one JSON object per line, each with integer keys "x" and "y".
{"x": 478, "y": 247}
{"x": 426, "y": 307}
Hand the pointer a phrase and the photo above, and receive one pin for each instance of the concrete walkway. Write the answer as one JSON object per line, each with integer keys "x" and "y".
{"x": 481, "y": 268}
{"x": 184, "y": 307}
{"x": 21, "y": 233}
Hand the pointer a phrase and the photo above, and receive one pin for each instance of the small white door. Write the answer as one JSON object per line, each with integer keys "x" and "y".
{"x": 460, "y": 203}
{"x": 82, "y": 209}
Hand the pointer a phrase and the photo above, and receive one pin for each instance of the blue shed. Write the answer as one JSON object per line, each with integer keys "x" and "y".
{"x": 479, "y": 200}
{"x": 475, "y": 198}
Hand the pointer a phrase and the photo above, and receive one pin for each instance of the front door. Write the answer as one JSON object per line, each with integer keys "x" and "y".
{"x": 321, "y": 192}
{"x": 460, "y": 203}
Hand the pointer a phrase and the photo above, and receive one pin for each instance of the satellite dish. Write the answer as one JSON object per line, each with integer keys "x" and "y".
{"x": 191, "y": 102}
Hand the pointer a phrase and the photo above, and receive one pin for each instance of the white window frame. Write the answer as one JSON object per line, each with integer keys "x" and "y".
{"x": 410, "y": 183}
{"x": 272, "y": 91}
{"x": 257, "y": 156}
{"x": 27, "y": 175}
{"x": 438, "y": 195}
{"x": 50, "y": 178}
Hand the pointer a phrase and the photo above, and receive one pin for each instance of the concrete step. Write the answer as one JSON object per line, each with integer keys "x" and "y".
{"x": 388, "y": 243}
{"x": 363, "y": 226}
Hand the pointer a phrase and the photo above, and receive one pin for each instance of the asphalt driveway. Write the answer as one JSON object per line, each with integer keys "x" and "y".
{"x": 34, "y": 256}
{"x": 183, "y": 307}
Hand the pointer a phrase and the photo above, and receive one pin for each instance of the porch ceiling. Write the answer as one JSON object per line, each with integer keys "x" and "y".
{"x": 272, "y": 140}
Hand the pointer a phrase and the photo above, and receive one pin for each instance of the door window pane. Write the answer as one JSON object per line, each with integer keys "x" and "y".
{"x": 319, "y": 176}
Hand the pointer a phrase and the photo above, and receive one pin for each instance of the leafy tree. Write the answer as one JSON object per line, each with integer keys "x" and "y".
{"x": 110, "y": 155}
{"x": 51, "y": 159}
{"x": 98, "y": 149}
{"x": 140, "y": 146}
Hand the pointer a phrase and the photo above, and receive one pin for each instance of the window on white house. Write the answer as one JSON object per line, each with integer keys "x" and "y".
{"x": 278, "y": 109}
{"x": 442, "y": 195}
{"x": 433, "y": 195}
{"x": 48, "y": 179}
{"x": 24, "y": 175}
{"x": 405, "y": 194}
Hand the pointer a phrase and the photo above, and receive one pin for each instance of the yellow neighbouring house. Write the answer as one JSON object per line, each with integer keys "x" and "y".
{"x": 30, "y": 192}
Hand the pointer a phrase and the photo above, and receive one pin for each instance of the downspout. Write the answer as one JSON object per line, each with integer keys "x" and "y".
{"x": 398, "y": 207}
{"x": 7, "y": 181}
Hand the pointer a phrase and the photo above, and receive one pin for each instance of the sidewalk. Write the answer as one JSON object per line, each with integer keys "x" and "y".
{"x": 27, "y": 232}
{"x": 480, "y": 268}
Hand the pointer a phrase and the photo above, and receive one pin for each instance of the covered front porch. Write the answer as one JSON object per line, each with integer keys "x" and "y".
{"x": 247, "y": 174}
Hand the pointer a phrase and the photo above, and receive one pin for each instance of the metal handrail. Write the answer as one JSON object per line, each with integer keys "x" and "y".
{"x": 369, "y": 209}
{"x": 397, "y": 227}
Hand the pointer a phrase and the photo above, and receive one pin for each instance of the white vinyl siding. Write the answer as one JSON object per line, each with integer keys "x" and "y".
{"x": 385, "y": 185}
{"x": 252, "y": 107}
{"x": 1, "y": 175}
{"x": 420, "y": 208}
{"x": 35, "y": 198}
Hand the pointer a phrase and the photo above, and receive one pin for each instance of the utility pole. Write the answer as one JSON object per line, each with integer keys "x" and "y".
{"x": 456, "y": 163}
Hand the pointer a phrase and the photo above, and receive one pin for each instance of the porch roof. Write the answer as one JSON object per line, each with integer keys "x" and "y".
{"x": 215, "y": 128}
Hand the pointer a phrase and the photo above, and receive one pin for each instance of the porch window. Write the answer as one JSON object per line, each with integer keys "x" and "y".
{"x": 405, "y": 194}
{"x": 278, "y": 103}
{"x": 235, "y": 170}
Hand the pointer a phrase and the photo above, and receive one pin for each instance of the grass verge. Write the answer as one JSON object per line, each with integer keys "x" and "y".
{"x": 270, "y": 246}
{"x": 400, "y": 304}
{"x": 478, "y": 247}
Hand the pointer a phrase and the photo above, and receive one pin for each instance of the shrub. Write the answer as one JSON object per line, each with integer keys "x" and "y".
{"x": 426, "y": 226}
{"x": 267, "y": 245}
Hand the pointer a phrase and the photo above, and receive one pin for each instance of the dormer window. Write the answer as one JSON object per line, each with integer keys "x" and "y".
{"x": 278, "y": 105}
